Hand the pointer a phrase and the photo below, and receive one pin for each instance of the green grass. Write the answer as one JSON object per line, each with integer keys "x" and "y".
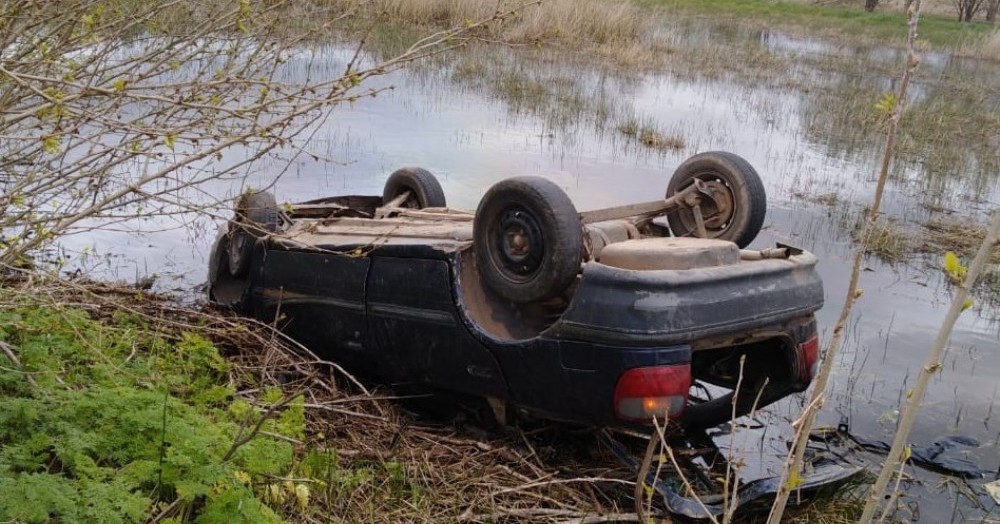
{"x": 879, "y": 26}
{"x": 109, "y": 420}
{"x": 117, "y": 414}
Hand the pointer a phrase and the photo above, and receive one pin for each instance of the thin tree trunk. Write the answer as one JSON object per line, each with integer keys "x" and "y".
{"x": 967, "y": 9}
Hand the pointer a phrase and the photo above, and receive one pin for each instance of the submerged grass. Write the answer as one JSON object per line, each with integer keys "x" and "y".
{"x": 560, "y": 96}
{"x": 950, "y": 134}
{"x": 645, "y": 133}
{"x": 888, "y": 240}
{"x": 961, "y": 236}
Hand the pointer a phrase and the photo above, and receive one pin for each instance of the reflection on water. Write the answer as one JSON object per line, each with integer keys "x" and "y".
{"x": 487, "y": 116}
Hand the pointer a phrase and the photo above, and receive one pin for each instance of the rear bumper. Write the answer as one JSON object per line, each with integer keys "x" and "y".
{"x": 665, "y": 307}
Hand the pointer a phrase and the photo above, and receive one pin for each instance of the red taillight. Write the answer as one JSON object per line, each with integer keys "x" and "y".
{"x": 809, "y": 353}
{"x": 644, "y": 393}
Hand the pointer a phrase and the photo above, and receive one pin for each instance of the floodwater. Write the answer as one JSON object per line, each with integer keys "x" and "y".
{"x": 478, "y": 119}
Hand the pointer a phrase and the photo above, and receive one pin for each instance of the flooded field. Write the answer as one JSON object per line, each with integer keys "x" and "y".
{"x": 805, "y": 118}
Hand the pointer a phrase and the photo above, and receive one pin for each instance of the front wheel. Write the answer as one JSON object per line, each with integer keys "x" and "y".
{"x": 256, "y": 216}
{"x": 736, "y": 208}
{"x": 425, "y": 191}
{"x": 528, "y": 239}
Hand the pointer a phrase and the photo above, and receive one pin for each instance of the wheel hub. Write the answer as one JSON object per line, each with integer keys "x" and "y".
{"x": 718, "y": 209}
{"x": 519, "y": 239}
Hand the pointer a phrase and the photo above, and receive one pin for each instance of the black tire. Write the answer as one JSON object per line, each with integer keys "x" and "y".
{"x": 425, "y": 191}
{"x": 256, "y": 216}
{"x": 528, "y": 239}
{"x": 223, "y": 288}
{"x": 738, "y": 212}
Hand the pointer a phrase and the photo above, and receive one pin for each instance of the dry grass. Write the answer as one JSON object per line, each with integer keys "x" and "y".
{"x": 652, "y": 138}
{"x": 426, "y": 12}
{"x": 889, "y": 240}
{"x": 565, "y": 21}
{"x": 987, "y": 48}
{"x": 843, "y": 506}
{"x": 640, "y": 54}
{"x": 963, "y": 237}
{"x": 830, "y": 199}
{"x": 647, "y": 135}
{"x": 581, "y": 20}
{"x": 990, "y": 46}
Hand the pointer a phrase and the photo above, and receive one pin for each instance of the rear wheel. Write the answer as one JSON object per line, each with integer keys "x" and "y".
{"x": 425, "y": 191}
{"x": 738, "y": 204}
{"x": 528, "y": 239}
{"x": 256, "y": 216}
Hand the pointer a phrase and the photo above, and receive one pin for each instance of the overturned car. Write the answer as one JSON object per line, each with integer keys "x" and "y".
{"x": 603, "y": 318}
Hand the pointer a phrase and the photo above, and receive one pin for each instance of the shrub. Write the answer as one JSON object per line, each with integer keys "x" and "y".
{"x": 105, "y": 421}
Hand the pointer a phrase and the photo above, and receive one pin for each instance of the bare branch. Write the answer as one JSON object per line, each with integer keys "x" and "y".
{"x": 102, "y": 114}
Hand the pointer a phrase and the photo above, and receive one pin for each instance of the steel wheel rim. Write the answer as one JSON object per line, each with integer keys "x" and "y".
{"x": 517, "y": 247}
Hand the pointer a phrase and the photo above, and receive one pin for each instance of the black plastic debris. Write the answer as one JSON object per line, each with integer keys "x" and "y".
{"x": 938, "y": 456}
{"x": 824, "y": 470}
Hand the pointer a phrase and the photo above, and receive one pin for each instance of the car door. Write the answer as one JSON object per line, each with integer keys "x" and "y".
{"x": 414, "y": 323}
{"x": 319, "y": 300}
